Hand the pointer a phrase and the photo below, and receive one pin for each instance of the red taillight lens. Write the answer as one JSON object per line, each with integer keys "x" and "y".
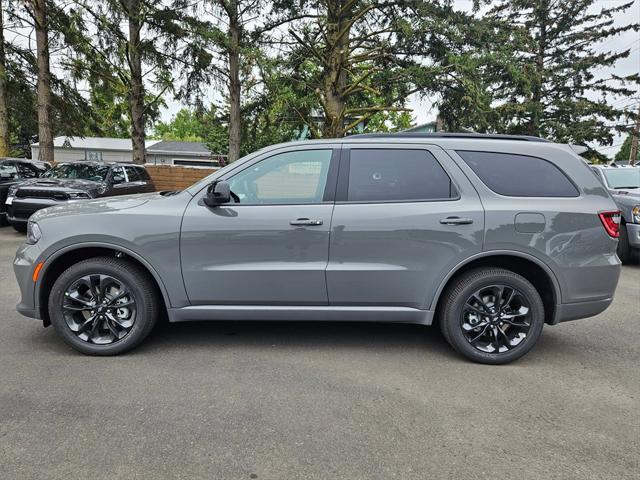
{"x": 611, "y": 222}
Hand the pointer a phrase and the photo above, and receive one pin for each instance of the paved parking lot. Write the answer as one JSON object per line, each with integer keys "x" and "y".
{"x": 319, "y": 401}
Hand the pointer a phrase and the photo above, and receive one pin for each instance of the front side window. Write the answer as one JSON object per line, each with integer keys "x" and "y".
{"x": 377, "y": 175}
{"x": 623, "y": 177}
{"x": 27, "y": 171}
{"x": 97, "y": 173}
{"x": 286, "y": 178}
{"x": 519, "y": 175}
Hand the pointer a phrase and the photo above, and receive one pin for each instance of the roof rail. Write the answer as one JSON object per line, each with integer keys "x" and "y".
{"x": 474, "y": 136}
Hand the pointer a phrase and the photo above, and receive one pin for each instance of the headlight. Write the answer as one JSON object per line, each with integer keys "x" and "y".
{"x": 33, "y": 233}
{"x": 635, "y": 213}
{"x": 77, "y": 195}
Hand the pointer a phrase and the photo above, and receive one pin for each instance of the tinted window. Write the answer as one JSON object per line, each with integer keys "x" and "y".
{"x": 292, "y": 177}
{"x": 27, "y": 171}
{"x": 519, "y": 175}
{"x": 117, "y": 175}
{"x": 132, "y": 174}
{"x": 79, "y": 170}
{"x": 144, "y": 176}
{"x": 396, "y": 175}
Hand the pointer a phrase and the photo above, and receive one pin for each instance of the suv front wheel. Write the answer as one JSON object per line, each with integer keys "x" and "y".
{"x": 103, "y": 306}
{"x": 492, "y": 315}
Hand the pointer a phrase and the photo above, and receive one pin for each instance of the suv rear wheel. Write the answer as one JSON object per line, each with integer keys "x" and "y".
{"x": 492, "y": 315}
{"x": 103, "y": 306}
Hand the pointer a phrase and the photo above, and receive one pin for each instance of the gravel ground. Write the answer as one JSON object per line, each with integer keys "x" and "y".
{"x": 227, "y": 400}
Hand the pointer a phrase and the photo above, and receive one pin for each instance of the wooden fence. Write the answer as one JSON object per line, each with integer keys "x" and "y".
{"x": 176, "y": 178}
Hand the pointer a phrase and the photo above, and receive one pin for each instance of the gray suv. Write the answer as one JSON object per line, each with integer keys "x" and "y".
{"x": 490, "y": 237}
{"x": 623, "y": 183}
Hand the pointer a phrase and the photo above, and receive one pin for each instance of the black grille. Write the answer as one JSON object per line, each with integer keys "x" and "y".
{"x": 41, "y": 194}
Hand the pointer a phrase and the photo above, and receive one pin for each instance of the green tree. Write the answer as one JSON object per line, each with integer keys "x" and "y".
{"x": 357, "y": 58}
{"x": 625, "y": 151}
{"x": 544, "y": 73}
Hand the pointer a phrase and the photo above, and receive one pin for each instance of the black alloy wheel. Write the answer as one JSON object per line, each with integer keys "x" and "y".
{"x": 104, "y": 305}
{"x": 491, "y": 315}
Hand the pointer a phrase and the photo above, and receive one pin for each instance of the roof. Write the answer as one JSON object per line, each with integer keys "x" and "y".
{"x": 473, "y": 136}
{"x": 184, "y": 148}
{"x": 96, "y": 143}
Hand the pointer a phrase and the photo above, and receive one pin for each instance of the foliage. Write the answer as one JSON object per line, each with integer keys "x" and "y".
{"x": 625, "y": 150}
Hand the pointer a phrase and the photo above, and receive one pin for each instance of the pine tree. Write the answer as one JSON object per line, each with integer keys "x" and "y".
{"x": 555, "y": 81}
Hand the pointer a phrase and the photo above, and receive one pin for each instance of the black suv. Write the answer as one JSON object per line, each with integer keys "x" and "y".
{"x": 69, "y": 182}
{"x": 13, "y": 171}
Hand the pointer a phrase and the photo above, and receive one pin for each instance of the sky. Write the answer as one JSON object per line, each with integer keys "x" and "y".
{"x": 424, "y": 111}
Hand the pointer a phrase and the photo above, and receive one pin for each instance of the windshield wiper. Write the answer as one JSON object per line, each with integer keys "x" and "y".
{"x": 621, "y": 188}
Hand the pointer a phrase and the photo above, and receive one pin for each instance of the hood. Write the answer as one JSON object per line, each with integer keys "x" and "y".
{"x": 61, "y": 184}
{"x": 626, "y": 194}
{"x": 102, "y": 205}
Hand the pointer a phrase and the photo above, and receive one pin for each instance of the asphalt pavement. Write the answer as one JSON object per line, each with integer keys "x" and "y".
{"x": 234, "y": 400}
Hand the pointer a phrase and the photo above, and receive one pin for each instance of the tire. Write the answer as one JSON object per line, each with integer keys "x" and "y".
{"x": 20, "y": 227}
{"x": 460, "y": 312}
{"x": 124, "y": 314}
{"x": 624, "y": 249}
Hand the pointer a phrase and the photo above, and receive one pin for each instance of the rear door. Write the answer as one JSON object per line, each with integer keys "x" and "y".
{"x": 405, "y": 215}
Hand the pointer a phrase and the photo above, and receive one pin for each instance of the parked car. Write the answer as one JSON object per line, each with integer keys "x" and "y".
{"x": 13, "y": 171}
{"x": 489, "y": 236}
{"x": 70, "y": 182}
{"x": 623, "y": 183}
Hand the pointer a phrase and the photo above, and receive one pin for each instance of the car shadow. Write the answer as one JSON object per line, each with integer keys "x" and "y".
{"x": 296, "y": 335}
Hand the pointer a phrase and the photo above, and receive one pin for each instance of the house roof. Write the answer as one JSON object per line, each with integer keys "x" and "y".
{"x": 96, "y": 143}
{"x": 184, "y": 148}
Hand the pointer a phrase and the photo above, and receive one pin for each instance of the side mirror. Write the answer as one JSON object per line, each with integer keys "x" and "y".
{"x": 217, "y": 194}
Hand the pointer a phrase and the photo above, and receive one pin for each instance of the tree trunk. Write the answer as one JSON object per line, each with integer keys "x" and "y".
{"x": 335, "y": 76}
{"x": 45, "y": 135}
{"x": 235, "y": 126}
{"x": 4, "y": 115}
{"x": 633, "y": 153}
{"x": 136, "y": 87}
{"x": 541, "y": 14}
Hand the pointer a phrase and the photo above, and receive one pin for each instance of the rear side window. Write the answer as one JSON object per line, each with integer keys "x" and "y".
{"x": 519, "y": 175}
{"x": 143, "y": 174}
{"x": 132, "y": 174}
{"x": 396, "y": 175}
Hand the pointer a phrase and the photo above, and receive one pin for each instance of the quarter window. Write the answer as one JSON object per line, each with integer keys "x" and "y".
{"x": 378, "y": 175}
{"x": 132, "y": 174}
{"x": 519, "y": 175}
{"x": 286, "y": 178}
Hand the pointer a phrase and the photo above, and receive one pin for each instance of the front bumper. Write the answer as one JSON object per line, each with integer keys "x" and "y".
{"x": 633, "y": 234}
{"x": 25, "y": 260}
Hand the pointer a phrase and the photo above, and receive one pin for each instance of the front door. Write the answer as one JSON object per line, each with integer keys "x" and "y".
{"x": 404, "y": 217}
{"x": 271, "y": 246}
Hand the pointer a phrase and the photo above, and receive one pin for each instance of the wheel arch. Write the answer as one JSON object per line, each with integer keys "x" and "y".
{"x": 533, "y": 269}
{"x": 65, "y": 257}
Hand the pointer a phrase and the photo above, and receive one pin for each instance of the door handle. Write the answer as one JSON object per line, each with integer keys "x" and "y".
{"x": 456, "y": 221}
{"x": 305, "y": 222}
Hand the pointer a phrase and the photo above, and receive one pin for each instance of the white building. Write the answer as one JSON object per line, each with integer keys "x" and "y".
{"x": 120, "y": 150}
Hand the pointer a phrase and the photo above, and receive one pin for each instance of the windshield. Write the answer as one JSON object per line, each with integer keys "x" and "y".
{"x": 623, "y": 177}
{"x": 97, "y": 173}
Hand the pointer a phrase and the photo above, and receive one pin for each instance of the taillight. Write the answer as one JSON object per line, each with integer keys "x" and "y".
{"x": 611, "y": 222}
